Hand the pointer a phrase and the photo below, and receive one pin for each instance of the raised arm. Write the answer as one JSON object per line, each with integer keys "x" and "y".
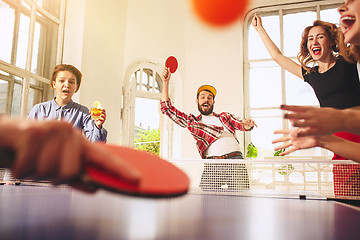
{"x": 276, "y": 55}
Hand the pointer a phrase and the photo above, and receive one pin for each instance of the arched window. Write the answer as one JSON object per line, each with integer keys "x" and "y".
{"x": 142, "y": 122}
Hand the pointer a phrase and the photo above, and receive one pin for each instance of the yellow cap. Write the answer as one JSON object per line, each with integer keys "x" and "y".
{"x": 207, "y": 87}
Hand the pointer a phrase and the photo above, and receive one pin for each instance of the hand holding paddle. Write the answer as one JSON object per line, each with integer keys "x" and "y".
{"x": 165, "y": 76}
{"x": 57, "y": 152}
{"x": 171, "y": 66}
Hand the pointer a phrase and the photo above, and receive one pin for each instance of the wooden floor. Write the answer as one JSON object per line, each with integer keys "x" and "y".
{"x": 28, "y": 212}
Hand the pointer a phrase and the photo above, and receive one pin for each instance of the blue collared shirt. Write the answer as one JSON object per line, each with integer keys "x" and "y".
{"x": 74, "y": 113}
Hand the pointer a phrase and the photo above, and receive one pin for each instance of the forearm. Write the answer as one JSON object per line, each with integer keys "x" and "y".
{"x": 284, "y": 62}
{"x": 165, "y": 91}
{"x": 347, "y": 149}
{"x": 351, "y": 120}
{"x": 273, "y": 50}
{"x": 177, "y": 116}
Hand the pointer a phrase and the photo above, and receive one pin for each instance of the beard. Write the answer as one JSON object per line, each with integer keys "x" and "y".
{"x": 207, "y": 112}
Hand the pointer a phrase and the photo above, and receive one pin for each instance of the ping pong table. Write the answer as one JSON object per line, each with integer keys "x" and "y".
{"x": 44, "y": 212}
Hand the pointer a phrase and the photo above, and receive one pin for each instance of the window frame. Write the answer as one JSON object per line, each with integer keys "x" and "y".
{"x": 36, "y": 14}
{"x": 318, "y": 6}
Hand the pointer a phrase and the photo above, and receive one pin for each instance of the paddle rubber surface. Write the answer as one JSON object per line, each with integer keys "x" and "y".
{"x": 172, "y": 63}
{"x": 160, "y": 178}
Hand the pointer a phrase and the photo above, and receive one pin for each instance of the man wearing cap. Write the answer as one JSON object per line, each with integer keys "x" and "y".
{"x": 214, "y": 134}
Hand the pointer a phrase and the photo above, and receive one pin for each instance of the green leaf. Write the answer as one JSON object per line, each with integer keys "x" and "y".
{"x": 252, "y": 151}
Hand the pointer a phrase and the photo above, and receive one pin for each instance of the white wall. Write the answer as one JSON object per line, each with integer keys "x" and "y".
{"x": 73, "y": 37}
{"x": 114, "y": 33}
{"x": 100, "y": 26}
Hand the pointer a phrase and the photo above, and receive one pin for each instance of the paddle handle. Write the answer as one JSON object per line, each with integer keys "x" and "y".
{"x": 7, "y": 157}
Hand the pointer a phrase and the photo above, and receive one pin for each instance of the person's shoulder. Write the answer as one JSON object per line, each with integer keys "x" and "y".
{"x": 42, "y": 104}
{"x": 226, "y": 114}
{"x": 39, "y": 109}
{"x": 79, "y": 107}
{"x": 308, "y": 71}
{"x": 342, "y": 60}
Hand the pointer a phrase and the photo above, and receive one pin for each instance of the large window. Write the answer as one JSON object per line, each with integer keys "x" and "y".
{"x": 30, "y": 46}
{"x": 268, "y": 85}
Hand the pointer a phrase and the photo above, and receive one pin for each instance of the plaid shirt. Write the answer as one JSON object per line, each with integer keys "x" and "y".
{"x": 204, "y": 134}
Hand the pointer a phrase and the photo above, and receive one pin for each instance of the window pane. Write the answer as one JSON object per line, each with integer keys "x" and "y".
{"x": 3, "y": 96}
{"x": 262, "y": 139}
{"x": 256, "y": 47}
{"x": 16, "y": 101}
{"x": 22, "y": 41}
{"x": 35, "y": 96}
{"x": 330, "y": 15}
{"x": 37, "y": 93}
{"x": 147, "y": 119}
{"x": 158, "y": 83}
{"x": 294, "y": 25}
{"x": 144, "y": 108}
{"x": 52, "y": 6}
{"x": 7, "y": 19}
{"x": 266, "y": 113}
{"x": 34, "y": 62}
{"x": 298, "y": 92}
{"x": 44, "y": 46}
{"x": 308, "y": 152}
{"x": 265, "y": 86}
{"x": 147, "y": 79}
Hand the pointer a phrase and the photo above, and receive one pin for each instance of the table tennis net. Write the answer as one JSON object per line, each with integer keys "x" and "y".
{"x": 285, "y": 178}
{"x": 289, "y": 178}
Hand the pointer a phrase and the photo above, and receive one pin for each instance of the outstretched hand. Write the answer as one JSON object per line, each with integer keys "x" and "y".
{"x": 248, "y": 124}
{"x": 315, "y": 121}
{"x": 292, "y": 142}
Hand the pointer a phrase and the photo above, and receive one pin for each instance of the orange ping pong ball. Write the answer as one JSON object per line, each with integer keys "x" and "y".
{"x": 220, "y": 12}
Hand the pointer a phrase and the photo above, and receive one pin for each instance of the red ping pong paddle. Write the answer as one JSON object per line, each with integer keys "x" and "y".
{"x": 159, "y": 178}
{"x": 172, "y": 63}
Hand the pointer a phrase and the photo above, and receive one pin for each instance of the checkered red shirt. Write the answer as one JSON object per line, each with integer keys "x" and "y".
{"x": 204, "y": 134}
